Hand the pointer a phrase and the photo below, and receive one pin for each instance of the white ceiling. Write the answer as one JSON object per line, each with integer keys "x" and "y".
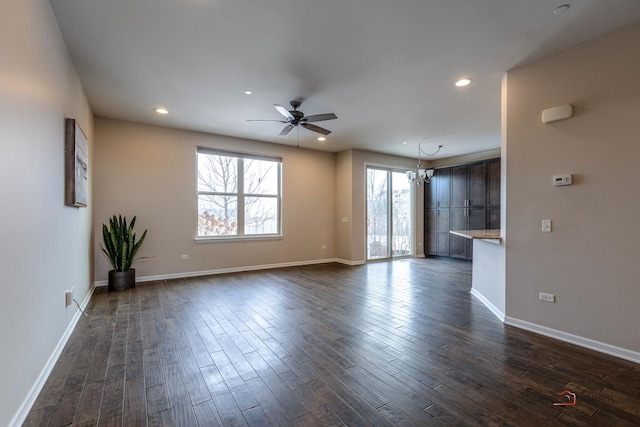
{"x": 385, "y": 68}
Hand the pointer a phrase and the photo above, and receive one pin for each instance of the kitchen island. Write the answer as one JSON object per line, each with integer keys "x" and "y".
{"x": 488, "y": 270}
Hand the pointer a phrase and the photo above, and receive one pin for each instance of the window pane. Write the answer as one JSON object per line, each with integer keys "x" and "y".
{"x": 217, "y": 215}
{"x": 217, "y": 174}
{"x": 401, "y": 215}
{"x": 377, "y": 214}
{"x": 238, "y": 194}
{"x": 260, "y": 177}
{"x": 261, "y": 215}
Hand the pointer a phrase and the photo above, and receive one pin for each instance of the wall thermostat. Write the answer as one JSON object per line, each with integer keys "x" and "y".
{"x": 559, "y": 180}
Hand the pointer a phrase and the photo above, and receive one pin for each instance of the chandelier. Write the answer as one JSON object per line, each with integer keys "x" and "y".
{"x": 421, "y": 175}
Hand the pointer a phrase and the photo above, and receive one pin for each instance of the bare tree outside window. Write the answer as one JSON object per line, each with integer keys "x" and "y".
{"x": 237, "y": 195}
{"x": 401, "y": 214}
{"x": 377, "y": 217}
{"x": 261, "y": 185}
{"x": 388, "y": 214}
{"x": 217, "y": 198}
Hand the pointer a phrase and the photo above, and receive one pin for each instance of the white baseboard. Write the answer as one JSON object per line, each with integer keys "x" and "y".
{"x": 499, "y": 314}
{"x": 228, "y": 270}
{"x": 347, "y": 262}
{"x": 605, "y": 348}
{"x": 23, "y": 411}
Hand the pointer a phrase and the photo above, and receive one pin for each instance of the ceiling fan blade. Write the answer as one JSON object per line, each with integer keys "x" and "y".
{"x": 316, "y": 128}
{"x": 286, "y": 129}
{"x": 276, "y": 121}
{"x": 319, "y": 117}
{"x": 284, "y": 111}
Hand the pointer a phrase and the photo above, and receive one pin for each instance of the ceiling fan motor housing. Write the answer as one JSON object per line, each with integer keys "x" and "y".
{"x": 297, "y": 115}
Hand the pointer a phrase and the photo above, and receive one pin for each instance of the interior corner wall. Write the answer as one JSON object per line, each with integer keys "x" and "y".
{"x": 590, "y": 260}
{"x": 150, "y": 172}
{"x": 344, "y": 208}
{"x": 46, "y": 246}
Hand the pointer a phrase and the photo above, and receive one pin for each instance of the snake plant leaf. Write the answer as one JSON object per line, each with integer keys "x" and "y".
{"x": 119, "y": 242}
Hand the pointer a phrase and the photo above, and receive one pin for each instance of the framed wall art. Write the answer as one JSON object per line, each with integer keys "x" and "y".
{"x": 76, "y": 165}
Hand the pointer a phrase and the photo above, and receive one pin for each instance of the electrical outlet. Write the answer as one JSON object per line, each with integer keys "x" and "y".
{"x": 324, "y": 246}
{"x": 68, "y": 297}
{"x": 184, "y": 256}
{"x": 547, "y": 297}
{"x": 546, "y": 226}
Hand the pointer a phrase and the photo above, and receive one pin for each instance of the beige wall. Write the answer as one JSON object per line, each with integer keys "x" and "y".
{"x": 155, "y": 181}
{"x": 46, "y": 246}
{"x": 150, "y": 172}
{"x": 590, "y": 260}
{"x": 344, "y": 205}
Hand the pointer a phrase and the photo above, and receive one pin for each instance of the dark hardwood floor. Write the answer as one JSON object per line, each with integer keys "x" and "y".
{"x": 394, "y": 343}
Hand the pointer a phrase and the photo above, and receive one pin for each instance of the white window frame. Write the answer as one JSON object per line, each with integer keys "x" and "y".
{"x": 240, "y": 196}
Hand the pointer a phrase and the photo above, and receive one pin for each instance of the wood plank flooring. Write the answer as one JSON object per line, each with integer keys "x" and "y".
{"x": 392, "y": 343}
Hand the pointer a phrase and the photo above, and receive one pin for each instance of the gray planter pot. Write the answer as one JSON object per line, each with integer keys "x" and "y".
{"x": 122, "y": 280}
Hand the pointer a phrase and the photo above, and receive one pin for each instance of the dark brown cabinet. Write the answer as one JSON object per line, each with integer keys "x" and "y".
{"x": 437, "y": 213}
{"x": 437, "y": 236}
{"x": 439, "y": 189}
{"x": 463, "y": 197}
{"x": 493, "y": 197}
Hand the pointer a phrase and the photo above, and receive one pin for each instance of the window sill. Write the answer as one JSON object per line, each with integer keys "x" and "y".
{"x": 237, "y": 238}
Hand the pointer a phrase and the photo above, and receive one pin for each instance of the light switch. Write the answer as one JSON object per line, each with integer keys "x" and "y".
{"x": 546, "y": 226}
{"x": 559, "y": 180}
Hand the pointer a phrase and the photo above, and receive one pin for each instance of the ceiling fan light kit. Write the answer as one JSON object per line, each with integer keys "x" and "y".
{"x": 295, "y": 117}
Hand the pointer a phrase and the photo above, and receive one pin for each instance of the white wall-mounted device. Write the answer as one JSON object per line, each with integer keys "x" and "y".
{"x": 554, "y": 114}
{"x": 559, "y": 180}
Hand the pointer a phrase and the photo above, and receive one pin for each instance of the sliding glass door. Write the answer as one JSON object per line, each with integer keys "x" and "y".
{"x": 389, "y": 214}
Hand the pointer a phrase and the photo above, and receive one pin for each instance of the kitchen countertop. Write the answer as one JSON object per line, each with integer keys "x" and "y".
{"x": 492, "y": 234}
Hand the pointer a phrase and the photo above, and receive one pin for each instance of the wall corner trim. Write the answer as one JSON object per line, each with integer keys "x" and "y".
{"x": 601, "y": 347}
{"x": 23, "y": 411}
{"x": 499, "y": 314}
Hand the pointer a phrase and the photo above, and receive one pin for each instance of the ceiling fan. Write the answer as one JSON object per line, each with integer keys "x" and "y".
{"x": 294, "y": 118}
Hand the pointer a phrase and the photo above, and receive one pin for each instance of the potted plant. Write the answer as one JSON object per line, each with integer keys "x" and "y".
{"x": 120, "y": 247}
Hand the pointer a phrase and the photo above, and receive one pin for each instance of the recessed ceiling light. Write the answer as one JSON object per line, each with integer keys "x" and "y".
{"x": 558, "y": 10}
{"x": 404, "y": 142}
{"x": 248, "y": 92}
{"x": 322, "y": 138}
{"x": 162, "y": 111}
{"x": 463, "y": 82}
